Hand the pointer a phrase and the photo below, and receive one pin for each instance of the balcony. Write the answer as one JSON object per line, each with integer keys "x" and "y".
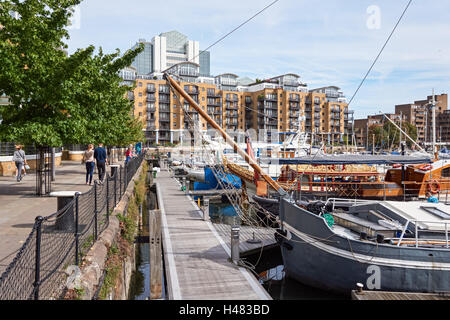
{"x": 151, "y": 89}
{"x": 294, "y": 108}
{"x": 210, "y": 94}
{"x": 192, "y": 91}
{"x": 164, "y": 99}
{"x": 294, "y": 99}
{"x": 151, "y": 109}
{"x": 271, "y": 107}
{"x": 150, "y": 98}
{"x": 232, "y": 107}
{"x": 236, "y": 99}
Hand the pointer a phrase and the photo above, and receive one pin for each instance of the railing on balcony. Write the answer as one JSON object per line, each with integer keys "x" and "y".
{"x": 164, "y": 99}
{"x": 151, "y": 88}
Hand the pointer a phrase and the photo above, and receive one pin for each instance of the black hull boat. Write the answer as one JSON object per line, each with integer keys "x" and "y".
{"x": 335, "y": 257}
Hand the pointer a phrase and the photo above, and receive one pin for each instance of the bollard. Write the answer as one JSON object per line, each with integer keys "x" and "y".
{"x": 360, "y": 287}
{"x": 235, "y": 244}
{"x": 188, "y": 184}
{"x": 183, "y": 185}
{"x": 205, "y": 209}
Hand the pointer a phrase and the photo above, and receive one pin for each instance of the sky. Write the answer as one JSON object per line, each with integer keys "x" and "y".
{"x": 328, "y": 42}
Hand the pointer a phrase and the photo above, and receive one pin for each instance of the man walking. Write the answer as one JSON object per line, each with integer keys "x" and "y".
{"x": 100, "y": 157}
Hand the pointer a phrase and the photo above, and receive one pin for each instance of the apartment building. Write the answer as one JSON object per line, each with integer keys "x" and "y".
{"x": 419, "y": 114}
{"x": 281, "y": 104}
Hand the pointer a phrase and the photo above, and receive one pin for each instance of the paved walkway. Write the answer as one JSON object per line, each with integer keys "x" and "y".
{"x": 197, "y": 265}
{"x": 19, "y": 206}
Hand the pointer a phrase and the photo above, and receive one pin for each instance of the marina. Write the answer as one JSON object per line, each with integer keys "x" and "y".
{"x": 151, "y": 173}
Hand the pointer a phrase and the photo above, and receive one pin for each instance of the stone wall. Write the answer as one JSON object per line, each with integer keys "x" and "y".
{"x": 8, "y": 167}
{"x": 93, "y": 265}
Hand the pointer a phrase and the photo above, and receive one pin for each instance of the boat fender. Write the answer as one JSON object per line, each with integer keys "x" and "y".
{"x": 434, "y": 186}
{"x": 329, "y": 219}
{"x": 425, "y": 167}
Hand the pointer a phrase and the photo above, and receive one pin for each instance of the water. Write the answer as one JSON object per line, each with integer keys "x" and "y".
{"x": 140, "y": 280}
{"x": 285, "y": 288}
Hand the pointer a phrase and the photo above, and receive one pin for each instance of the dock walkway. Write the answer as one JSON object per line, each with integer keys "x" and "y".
{"x": 196, "y": 257}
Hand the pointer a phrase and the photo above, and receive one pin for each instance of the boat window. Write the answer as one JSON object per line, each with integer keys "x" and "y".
{"x": 445, "y": 172}
{"x": 437, "y": 212}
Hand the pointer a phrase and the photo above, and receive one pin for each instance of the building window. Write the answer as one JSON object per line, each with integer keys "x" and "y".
{"x": 140, "y": 104}
{"x": 140, "y": 84}
{"x": 140, "y": 94}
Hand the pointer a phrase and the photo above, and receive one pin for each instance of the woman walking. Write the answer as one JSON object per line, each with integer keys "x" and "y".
{"x": 20, "y": 161}
{"x": 88, "y": 159}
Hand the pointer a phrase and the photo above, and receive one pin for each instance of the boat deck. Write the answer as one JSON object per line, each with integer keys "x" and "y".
{"x": 385, "y": 295}
{"x": 196, "y": 254}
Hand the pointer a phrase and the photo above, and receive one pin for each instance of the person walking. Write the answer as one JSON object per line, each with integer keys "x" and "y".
{"x": 88, "y": 159}
{"x": 102, "y": 160}
{"x": 129, "y": 154}
{"x": 20, "y": 161}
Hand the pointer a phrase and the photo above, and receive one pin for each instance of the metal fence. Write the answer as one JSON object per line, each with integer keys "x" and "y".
{"x": 61, "y": 240}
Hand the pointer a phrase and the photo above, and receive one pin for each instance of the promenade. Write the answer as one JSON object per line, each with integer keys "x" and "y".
{"x": 19, "y": 206}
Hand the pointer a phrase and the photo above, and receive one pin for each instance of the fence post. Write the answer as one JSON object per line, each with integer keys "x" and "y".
{"x": 115, "y": 189}
{"x": 120, "y": 182}
{"x": 76, "y": 228}
{"x": 95, "y": 212}
{"x": 107, "y": 199}
{"x": 126, "y": 177}
{"x": 37, "y": 267}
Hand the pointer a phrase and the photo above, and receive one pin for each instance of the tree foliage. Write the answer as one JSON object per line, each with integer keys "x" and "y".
{"x": 57, "y": 98}
{"x": 388, "y": 135}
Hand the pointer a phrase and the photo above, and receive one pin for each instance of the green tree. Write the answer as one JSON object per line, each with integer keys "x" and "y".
{"x": 388, "y": 135}
{"x": 56, "y": 98}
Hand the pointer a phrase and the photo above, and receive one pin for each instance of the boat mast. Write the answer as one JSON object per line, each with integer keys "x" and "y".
{"x": 433, "y": 115}
{"x": 227, "y": 138}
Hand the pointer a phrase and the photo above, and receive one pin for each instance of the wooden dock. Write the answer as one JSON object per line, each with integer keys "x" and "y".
{"x": 385, "y": 295}
{"x": 196, "y": 254}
